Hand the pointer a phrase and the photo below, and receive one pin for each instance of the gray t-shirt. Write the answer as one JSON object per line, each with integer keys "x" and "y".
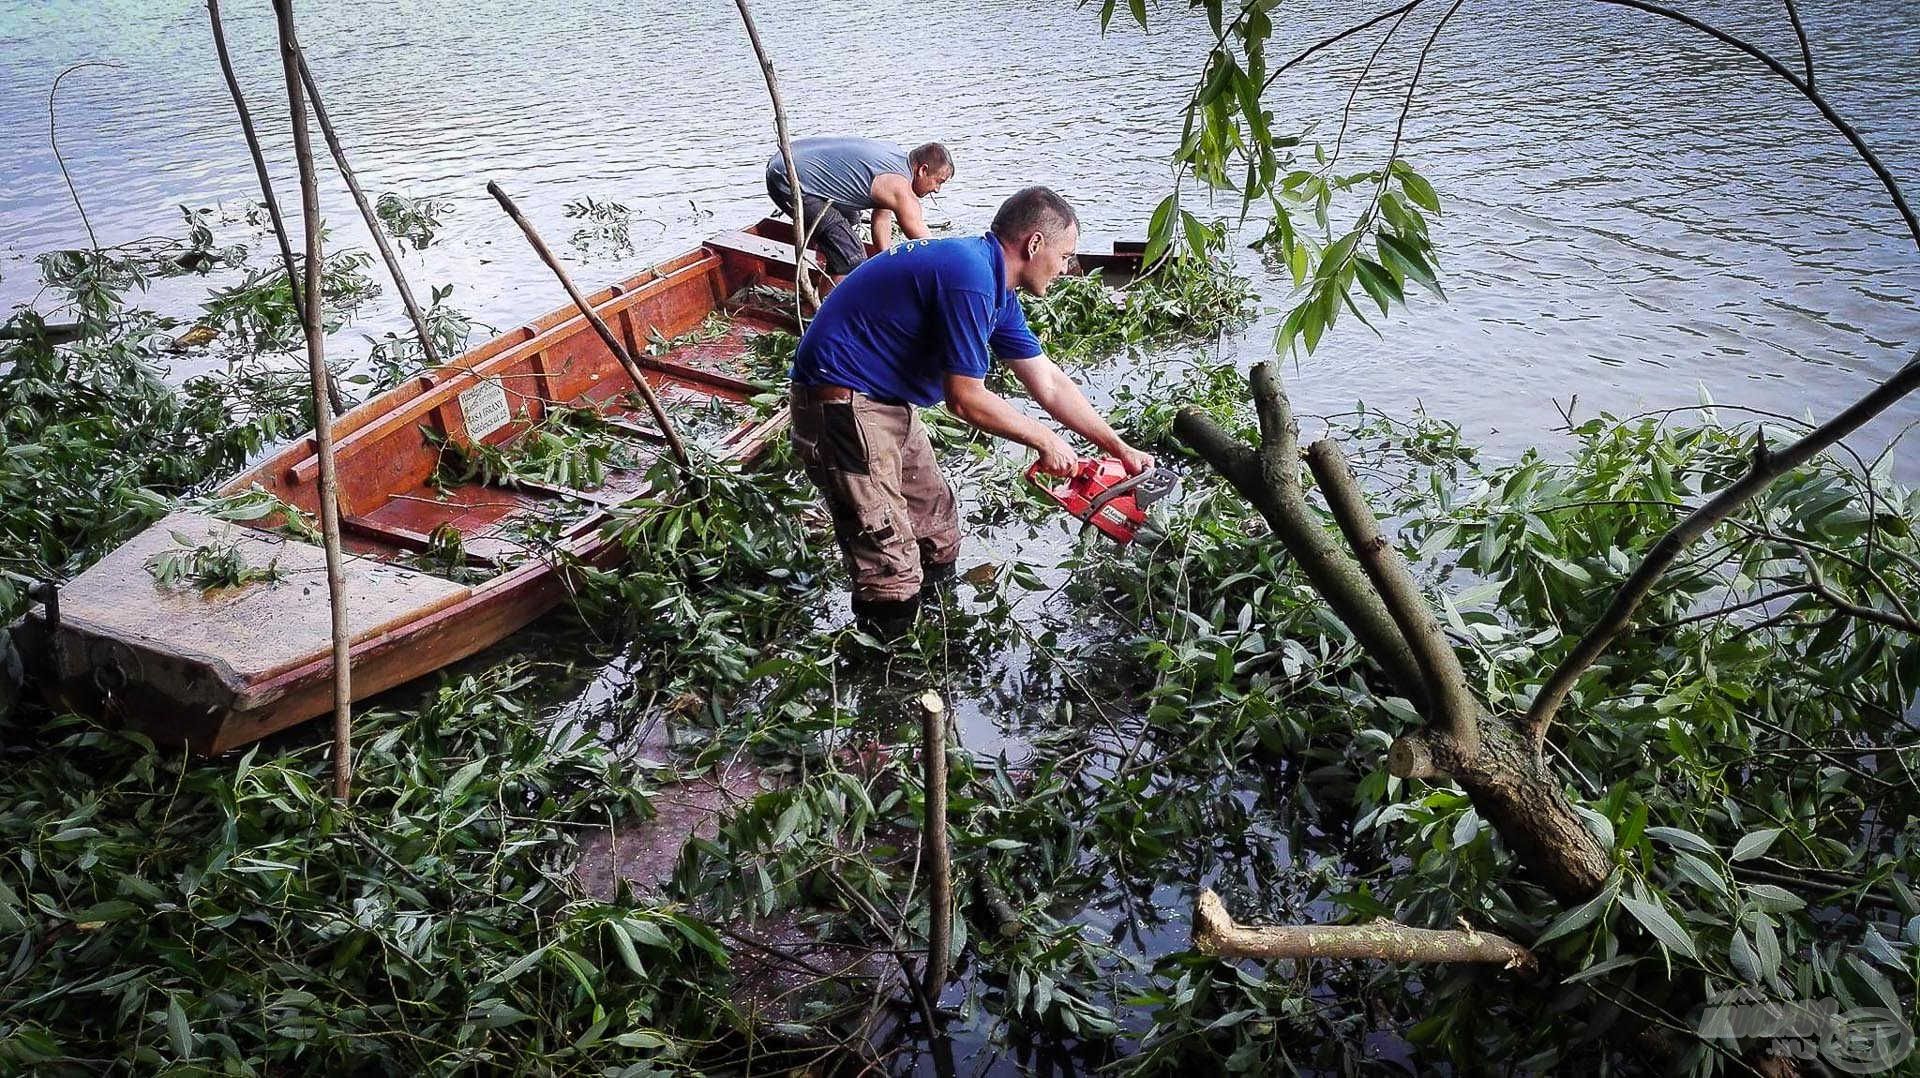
{"x": 838, "y": 169}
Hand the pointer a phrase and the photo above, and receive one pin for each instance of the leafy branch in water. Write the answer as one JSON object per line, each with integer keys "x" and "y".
{"x": 1197, "y": 296}
{"x": 395, "y": 356}
{"x": 411, "y": 220}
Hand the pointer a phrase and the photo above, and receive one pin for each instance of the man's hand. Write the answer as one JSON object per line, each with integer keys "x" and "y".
{"x": 1133, "y": 460}
{"x": 1057, "y": 457}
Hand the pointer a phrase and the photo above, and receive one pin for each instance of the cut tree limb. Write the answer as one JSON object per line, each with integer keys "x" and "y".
{"x": 1269, "y": 478}
{"x": 1456, "y": 710}
{"x": 933, "y": 838}
{"x": 1216, "y": 933}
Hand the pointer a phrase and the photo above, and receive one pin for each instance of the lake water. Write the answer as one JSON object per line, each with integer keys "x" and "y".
{"x": 1630, "y": 216}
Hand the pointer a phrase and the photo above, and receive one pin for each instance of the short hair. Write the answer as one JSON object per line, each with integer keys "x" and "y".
{"x": 932, "y": 154}
{"x": 1033, "y": 209}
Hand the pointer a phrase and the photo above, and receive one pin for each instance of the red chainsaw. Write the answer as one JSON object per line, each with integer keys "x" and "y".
{"x": 1103, "y": 495}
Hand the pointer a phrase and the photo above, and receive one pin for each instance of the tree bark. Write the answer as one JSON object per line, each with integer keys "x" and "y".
{"x": 1216, "y": 933}
{"x": 322, "y": 420}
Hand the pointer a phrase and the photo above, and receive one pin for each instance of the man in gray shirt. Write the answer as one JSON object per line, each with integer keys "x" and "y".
{"x": 842, "y": 176}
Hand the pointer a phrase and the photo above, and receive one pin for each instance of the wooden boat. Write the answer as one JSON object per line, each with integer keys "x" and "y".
{"x": 212, "y": 670}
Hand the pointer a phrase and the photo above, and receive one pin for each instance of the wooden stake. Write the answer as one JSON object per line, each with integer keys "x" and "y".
{"x": 933, "y": 843}
{"x": 366, "y": 213}
{"x": 322, "y": 422}
{"x": 802, "y": 283}
{"x": 606, "y": 335}
{"x": 1215, "y": 933}
{"x": 335, "y": 400}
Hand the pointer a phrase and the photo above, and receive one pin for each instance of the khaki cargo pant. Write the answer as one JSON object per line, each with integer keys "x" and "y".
{"x": 893, "y": 512}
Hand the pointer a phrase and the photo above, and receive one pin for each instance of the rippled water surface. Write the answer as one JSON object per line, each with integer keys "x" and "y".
{"x": 1630, "y": 216}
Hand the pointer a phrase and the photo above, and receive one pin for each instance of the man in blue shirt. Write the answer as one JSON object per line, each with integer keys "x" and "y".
{"x": 916, "y": 326}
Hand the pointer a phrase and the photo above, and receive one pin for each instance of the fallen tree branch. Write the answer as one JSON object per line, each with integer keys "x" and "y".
{"x": 1269, "y": 478}
{"x": 1456, "y": 710}
{"x": 1215, "y": 933}
{"x": 1766, "y": 467}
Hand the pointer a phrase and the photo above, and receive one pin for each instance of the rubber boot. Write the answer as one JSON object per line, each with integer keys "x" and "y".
{"x": 935, "y": 575}
{"x": 885, "y": 619}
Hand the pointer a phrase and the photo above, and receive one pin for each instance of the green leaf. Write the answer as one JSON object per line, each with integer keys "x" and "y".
{"x": 1656, "y": 920}
{"x": 1405, "y": 259}
{"x": 178, "y": 1029}
{"x": 1754, "y": 844}
{"x": 1378, "y": 283}
{"x": 1682, "y": 840}
{"x": 1139, "y": 10}
{"x": 624, "y": 944}
{"x": 1197, "y": 235}
{"x": 1745, "y": 960}
{"x": 1160, "y": 228}
{"x": 1582, "y": 915}
{"x": 1418, "y": 189}
{"x": 1774, "y": 899}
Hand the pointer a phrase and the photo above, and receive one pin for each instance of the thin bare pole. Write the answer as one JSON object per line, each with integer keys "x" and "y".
{"x": 606, "y": 335}
{"x": 366, "y": 213}
{"x": 933, "y": 843}
{"x": 802, "y": 284}
{"x": 334, "y": 398}
{"x": 322, "y": 422}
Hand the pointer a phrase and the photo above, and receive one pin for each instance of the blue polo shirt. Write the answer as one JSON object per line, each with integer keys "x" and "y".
{"x": 903, "y": 320}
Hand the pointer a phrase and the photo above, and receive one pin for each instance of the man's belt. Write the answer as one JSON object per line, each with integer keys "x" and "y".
{"x": 817, "y": 394}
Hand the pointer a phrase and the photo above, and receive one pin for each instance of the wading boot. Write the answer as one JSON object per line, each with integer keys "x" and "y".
{"x": 935, "y": 576}
{"x": 885, "y": 619}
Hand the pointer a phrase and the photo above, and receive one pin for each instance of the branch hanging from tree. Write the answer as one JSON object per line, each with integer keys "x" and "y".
{"x": 1767, "y": 466}
{"x": 1216, "y": 933}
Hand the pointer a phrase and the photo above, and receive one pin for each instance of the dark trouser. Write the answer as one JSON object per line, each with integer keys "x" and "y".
{"x": 829, "y": 224}
{"x": 893, "y": 512}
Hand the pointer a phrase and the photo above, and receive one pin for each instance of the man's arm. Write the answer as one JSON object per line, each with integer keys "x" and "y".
{"x": 894, "y": 192}
{"x": 971, "y": 400}
{"x": 1050, "y": 388}
{"x": 882, "y": 227}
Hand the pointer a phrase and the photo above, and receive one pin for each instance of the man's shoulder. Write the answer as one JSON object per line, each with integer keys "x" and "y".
{"x": 960, "y": 260}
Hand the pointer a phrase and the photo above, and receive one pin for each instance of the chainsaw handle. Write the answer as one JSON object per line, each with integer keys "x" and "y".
{"x": 1034, "y": 474}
